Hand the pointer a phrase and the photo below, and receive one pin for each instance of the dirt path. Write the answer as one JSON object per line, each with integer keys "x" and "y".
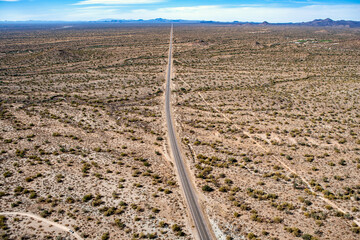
{"x": 51, "y": 223}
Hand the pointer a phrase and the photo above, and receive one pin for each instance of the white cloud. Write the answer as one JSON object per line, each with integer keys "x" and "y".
{"x": 211, "y": 12}
{"x": 251, "y": 13}
{"x": 9, "y": 0}
{"x": 112, "y": 2}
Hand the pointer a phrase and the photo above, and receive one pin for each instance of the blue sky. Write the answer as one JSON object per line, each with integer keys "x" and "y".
{"x": 226, "y": 10}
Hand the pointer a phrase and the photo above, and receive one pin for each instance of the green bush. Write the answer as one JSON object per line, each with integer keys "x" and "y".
{"x": 119, "y": 224}
{"x": 105, "y": 236}
{"x": 207, "y": 188}
{"x": 7, "y": 174}
{"x": 88, "y": 197}
{"x": 176, "y": 228}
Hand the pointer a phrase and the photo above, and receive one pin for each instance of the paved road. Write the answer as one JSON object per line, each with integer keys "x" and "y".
{"x": 197, "y": 215}
{"x": 59, "y": 226}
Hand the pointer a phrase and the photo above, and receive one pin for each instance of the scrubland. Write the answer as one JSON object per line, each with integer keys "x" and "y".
{"x": 268, "y": 118}
{"x": 82, "y": 135}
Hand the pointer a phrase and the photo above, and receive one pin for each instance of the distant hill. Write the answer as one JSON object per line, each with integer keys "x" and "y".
{"x": 316, "y": 23}
{"x": 331, "y": 23}
{"x": 156, "y": 20}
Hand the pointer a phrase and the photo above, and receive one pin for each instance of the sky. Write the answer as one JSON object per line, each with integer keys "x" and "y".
{"x": 215, "y": 10}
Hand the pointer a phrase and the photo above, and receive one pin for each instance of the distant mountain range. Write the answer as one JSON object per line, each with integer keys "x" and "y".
{"x": 315, "y": 23}
{"x": 330, "y": 22}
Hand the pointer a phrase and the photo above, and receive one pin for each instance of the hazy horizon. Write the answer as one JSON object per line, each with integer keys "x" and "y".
{"x": 166, "y": 20}
{"x": 212, "y": 10}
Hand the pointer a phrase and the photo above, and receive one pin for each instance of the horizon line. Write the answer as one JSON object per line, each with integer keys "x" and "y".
{"x": 167, "y": 19}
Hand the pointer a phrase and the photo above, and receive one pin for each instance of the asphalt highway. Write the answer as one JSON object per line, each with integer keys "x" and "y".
{"x": 190, "y": 195}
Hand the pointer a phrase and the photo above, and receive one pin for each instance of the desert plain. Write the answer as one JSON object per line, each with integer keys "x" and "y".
{"x": 268, "y": 118}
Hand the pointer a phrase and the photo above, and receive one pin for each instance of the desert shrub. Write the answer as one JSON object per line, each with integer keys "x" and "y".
{"x": 105, "y": 236}
{"x": 228, "y": 181}
{"x": 18, "y": 190}
{"x": 59, "y": 178}
{"x": 294, "y": 230}
{"x": 278, "y": 220}
{"x": 308, "y": 237}
{"x": 251, "y": 236}
{"x": 207, "y": 188}
{"x": 3, "y": 224}
{"x": 167, "y": 191}
{"x": 7, "y": 174}
{"x": 255, "y": 217}
{"x": 88, "y": 197}
{"x": 342, "y": 162}
{"x": 223, "y": 189}
{"x": 33, "y": 195}
{"x": 163, "y": 224}
{"x": 155, "y": 210}
{"x": 176, "y": 228}
{"x": 97, "y": 201}
{"x": 152, "y": 235}
{"x": 45, "y": 213}
{"x": 70, "y": 200}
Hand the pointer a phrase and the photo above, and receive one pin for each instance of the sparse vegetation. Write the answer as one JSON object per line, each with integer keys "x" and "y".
{"x": 258, "y": 108}
{"x": 80, "y": 111}
{"x": 268, "y": 124}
